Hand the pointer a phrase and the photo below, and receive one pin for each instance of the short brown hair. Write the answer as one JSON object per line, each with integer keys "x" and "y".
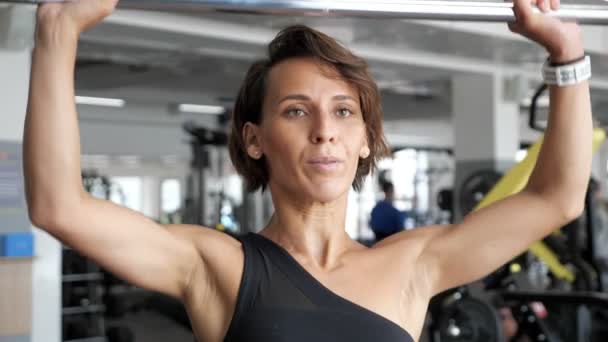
{"x": 302, "y": 41}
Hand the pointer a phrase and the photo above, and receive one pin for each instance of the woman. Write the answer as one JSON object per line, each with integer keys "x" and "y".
{"x": 307, "y": 126}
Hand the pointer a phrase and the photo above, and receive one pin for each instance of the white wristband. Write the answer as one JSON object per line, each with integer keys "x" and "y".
{"x": 569, "y": 74}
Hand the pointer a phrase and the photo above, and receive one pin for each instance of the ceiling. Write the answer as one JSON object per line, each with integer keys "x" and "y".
{"x": 155, "y": 59}
{"x": 164, "y": 57}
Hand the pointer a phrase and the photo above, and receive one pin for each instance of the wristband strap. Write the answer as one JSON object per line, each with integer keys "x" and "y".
{"x": 567, "y": 74}
{"x": 555, "y": 64}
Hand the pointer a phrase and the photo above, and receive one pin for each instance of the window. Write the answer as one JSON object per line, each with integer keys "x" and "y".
{"x": 127, "y": 191}
{"x": 171, "y": 195}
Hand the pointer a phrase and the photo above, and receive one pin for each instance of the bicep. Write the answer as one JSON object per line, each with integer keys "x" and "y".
{"x": 487, "y": 239}
{"x": 130, "y": 245}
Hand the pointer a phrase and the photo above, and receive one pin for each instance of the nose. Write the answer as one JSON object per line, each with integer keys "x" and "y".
{"x": 323, "y": 128}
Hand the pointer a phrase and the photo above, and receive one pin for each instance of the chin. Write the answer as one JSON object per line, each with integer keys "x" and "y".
{"x": 327, "y": 192}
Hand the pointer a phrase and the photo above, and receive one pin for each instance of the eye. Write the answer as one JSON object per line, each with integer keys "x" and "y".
{"x": 344, "y": 112}
{"x": 295, "y": 112}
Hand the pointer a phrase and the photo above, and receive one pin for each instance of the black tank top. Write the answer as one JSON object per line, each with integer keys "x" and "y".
{"x": 279, "y": 301}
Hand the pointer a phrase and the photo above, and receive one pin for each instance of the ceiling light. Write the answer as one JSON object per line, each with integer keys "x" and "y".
{"x": 201, "y": 109}
{"x": 95, "y": 160}
{"x": 170, "y": 159}
{"x": 129, "y": 160}
{"x": 100, "y": 101}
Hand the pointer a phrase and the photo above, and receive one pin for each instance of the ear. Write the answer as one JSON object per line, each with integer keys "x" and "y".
{"x": 365, "y": 151}
{"x": 251, "y": 138}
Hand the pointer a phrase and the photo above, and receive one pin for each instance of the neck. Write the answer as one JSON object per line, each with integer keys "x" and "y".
{"x": 314, "y": 232}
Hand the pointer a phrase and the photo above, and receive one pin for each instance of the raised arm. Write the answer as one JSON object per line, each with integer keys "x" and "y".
{"x": 120, "y": 240}
{"x": 555, "y": 192}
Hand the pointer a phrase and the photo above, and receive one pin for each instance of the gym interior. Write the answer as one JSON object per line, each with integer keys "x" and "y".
{"x": 464, "y": 112}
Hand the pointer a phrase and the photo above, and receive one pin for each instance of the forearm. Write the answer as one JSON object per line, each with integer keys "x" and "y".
{"x": 51, "y": 137}
{"x": 564, "y": 163}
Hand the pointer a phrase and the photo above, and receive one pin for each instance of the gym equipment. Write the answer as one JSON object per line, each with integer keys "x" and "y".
{"x": 199, "y": 203}
{"x": 578, "y": 306}
{"x": 590, "y": 307}
{"x": 464, "y": 314}
{"x": 101, "y": 186}
{"x": 475, "y": 187}
{"x": 445, "y": 199}
{"x": 96, "y": 185}
{"x": 119, "y": 334}
{"x": 469, "y": 319}
{"x": 403, "y": 9}
{"x": 577, "y": 322}
{"x": 433, "y": 176}
{"x": 533, "y": 123}
{"x": 214, "y": 199}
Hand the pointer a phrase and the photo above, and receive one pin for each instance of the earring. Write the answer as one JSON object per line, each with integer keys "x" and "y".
{"x": 365, "y": 152}
{"x": 255, "y": 154}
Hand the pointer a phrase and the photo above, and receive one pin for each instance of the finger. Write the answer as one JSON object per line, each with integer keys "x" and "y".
{"x": 45, "y": 8}
{"x": 511, "y": 24}
{"x": 555, "y": 4}
{"x": 523, "y": 10}
{"x": 543, "y": 5}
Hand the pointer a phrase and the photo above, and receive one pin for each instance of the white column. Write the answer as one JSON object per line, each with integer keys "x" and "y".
{"x": 486, "y": 126}
{"x": 151, "y": 196}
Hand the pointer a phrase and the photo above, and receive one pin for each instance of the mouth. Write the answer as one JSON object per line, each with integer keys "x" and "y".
{"x": 325, "y": 163}
{"x": 324, "y": 160}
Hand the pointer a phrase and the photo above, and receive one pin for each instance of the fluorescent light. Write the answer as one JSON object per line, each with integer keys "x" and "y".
{"x": 100, "y": 101}
{"x": 129, "y": 160}
{"x": 201, "y": 109}
{"x": 95, "y": 160}
{"x": 170, "y": 159}
{"x": 87, "y": 158}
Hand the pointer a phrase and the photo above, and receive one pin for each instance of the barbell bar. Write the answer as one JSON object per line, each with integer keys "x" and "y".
{"x": 399, "y": 9}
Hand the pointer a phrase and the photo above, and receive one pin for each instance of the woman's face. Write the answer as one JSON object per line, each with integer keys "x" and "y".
{"x": 312, "y": 132}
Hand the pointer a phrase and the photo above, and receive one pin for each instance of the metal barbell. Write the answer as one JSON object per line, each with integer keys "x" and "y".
{"x": 402, "y": 9}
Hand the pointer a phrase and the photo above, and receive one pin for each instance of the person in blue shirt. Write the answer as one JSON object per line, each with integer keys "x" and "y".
{"x": 387, "y": 220}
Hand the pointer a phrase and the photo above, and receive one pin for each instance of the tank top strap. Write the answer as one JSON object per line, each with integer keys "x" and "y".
{"x": 250, "y": 280}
